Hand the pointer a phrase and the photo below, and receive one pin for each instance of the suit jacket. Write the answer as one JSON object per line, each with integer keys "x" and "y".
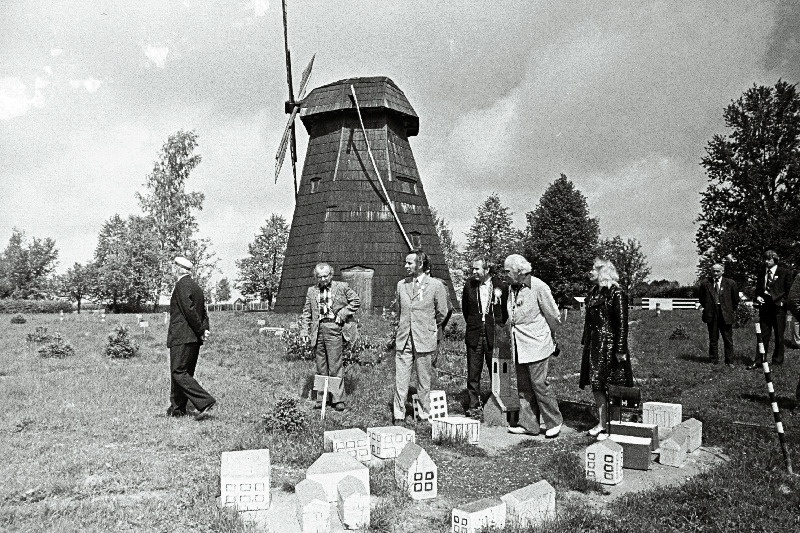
{"x": 421, "y": 314}
{"x": 532, "y": 315}
{"x": 728, "y": 299}
{"x": 780, "y": 288}
{"x": 794, "y": 297}
{"x": 188, "y": 318}
{"x": 497, "y": 314}
{"x": 345, "y": 304}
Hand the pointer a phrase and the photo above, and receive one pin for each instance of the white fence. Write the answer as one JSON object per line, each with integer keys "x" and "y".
{"x": 670, "y": 304}
{"x": 239, "y": 306}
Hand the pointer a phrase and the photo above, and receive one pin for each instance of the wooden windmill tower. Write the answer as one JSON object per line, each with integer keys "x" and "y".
{"x": 360, "y": 203}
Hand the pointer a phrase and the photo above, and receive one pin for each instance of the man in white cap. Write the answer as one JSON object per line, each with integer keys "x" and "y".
{"x": 188, "y": 328}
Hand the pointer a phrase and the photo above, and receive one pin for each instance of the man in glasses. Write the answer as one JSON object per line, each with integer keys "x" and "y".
{"x": 719, "y": 297}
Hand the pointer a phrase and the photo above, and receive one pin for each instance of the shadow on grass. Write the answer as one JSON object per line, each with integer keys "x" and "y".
{"x": 790, "y": 404}
{"x": 693, "y": 358}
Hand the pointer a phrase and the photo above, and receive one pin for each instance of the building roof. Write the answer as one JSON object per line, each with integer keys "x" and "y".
{"x": 351, "y": 485}
{"x": 411, "y": 452}
{"x": 608, "y": 443}
{"x": 334, "y": 462}
{"x": 372, "y": 93}
{"x": 480, "y": 505}
{"x": 308, "y": 491}
{"x": 535, "y": 490}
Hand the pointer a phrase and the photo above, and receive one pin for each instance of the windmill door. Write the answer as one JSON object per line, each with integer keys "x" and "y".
{"x": 360, "y": 280}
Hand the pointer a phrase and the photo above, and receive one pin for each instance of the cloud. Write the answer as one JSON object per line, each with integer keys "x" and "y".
{"x": 260, "y": 7}
{"x": 90, "y": 84}
{"x": 156, "y": 54}
{"x": 14, "y": 99}
{"x": 55, "y": 52}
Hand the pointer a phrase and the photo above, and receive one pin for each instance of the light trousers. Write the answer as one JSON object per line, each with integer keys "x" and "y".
{"x": 404, "y": 359}
{"x": 535, "y": 398}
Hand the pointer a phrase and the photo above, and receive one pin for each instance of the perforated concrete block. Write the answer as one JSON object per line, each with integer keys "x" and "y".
{"x": 245, "y": 479}
{"x": 664, "y": 415}
{"x": 386, "y": 442}
{"x": 603, "y": 462}
{"x": 456, "y": 428}
{"x": 353, "y": 441}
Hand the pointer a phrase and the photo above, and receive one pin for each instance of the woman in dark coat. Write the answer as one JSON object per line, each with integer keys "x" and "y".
{"x": 605, "y": 339}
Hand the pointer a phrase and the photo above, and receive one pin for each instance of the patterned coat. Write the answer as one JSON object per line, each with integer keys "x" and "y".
{"x": 345, "y": 304}
{"x": 605, "y": 337}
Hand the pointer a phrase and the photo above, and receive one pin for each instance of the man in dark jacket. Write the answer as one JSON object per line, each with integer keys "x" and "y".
{"x": 794, "y": 308}
{"x": 772, "y": 290}
{"x": 188, "y": 328}
{"x": 483, "y": 303}
{"x": 719, "y": 297}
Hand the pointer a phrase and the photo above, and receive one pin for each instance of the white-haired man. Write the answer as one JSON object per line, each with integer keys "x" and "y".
{"x": 329, "y": 304}
{"x": 532, "y": 315}
{"x": 188, "y": 329}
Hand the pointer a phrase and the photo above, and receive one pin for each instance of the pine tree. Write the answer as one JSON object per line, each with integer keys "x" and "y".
{"x": 492, "y": 233}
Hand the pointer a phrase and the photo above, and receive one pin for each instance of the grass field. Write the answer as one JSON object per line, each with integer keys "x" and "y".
{"x": 86, "y": 446}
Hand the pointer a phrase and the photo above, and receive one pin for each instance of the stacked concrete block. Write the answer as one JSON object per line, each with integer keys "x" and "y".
{"x": 245, "y": 480}
{"x": 438, "y": 404}
{"x": 673, "y": 450}
{"x": 313, "y": 508}
{"x": 693, "y": 429}
{"x": 456, "y": 428}
{"x": 635, "y": 451}
{"x": 635, "y": 429}
{"x": 604, "y": 462}
{"x": 531, "y": 506}
{"x": 353, "y": 503}
{"x": 416, "y": 473}
{"x": 333, "y": 467}
{"x": 387, "y": 442}
{"x": 664, "y": 415}
{"x": 353, "y": 441}
{"x": 474, "y": 516}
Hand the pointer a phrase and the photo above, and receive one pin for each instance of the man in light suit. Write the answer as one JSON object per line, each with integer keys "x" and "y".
{"x": 483, "y": 303}
{"x": 329, "y": 304}
{"x": 719, "y": 297}
{"x": 188, "y": 329}
{"x": 772, "y": 290}
{"x": 423, "y": 308}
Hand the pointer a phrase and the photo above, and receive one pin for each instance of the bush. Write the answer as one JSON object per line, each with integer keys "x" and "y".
{"x": 120, "y": 345}
{"x": 58, "y": 349}
{"x": 679, "y": 333}
{"x": 361, "y": 350}
{"x": 39, "y": 335}
{"x": 8, "y": 305}
{"x": 295, "y": 347}
{"x": 18, "y": 319}
{"x": 744, "y": 315}
{"x": 454, "y": 332}
{"x": 286, "y": 416}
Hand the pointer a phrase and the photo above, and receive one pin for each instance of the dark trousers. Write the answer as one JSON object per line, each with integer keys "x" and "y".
{"x": 772, "y": 318}
{"x": 183, "y": 386}
{"x": 476, "y": 356}
{"x": 717, "y": 327}
{"x": 328, "y": 356}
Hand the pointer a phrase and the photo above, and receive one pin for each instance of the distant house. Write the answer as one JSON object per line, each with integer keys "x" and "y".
{"x": 604, "y": 462}
{"x": 416, "y": 473}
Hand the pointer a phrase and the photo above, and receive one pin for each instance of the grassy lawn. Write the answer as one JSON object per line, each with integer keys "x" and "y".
{"x": 86, "y": 445}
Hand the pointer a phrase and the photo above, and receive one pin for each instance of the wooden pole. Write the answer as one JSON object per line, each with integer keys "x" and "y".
{"x": 776, "y": 413}
{"x": 375, "y": 166}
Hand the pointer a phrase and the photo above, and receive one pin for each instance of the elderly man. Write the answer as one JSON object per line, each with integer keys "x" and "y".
{"x": 532, "y": 314}
{"x": 188, "y": 329}
{"x": 329, "y": 304}
{"x": 719, "y": 297}
{"x": 483, "y": 303}
{"x": 423, "y": 308}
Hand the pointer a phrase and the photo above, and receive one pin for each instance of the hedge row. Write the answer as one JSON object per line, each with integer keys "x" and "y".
{"x": 7, "y": 305}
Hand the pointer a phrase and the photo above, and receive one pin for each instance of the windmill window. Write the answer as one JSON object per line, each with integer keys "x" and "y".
{"x": 407, "y": 184}
{"x": 315, "y": 184}
{"x": 416, "y": 239}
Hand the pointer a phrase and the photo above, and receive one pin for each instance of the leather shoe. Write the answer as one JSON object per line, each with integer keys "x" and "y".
{"x": 205, "y": 412}
{"x": 553, "y": 432}
{"x": 175, "y": 413}
{"x": 595, "y": 431}
{"x": 339, "y": 406}
{"x": 777, "y": 362}
{"x": 398, "y": 422}
{"x": 753, "y": 366}
{"x": 519, "y": 430}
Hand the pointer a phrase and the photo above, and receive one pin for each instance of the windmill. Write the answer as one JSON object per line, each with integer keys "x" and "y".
{"x": 360, "y": 204}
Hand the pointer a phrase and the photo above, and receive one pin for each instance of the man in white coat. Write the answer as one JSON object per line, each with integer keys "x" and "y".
{"x": 532, "y": 315}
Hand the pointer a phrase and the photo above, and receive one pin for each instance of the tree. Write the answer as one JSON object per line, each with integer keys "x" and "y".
{"x": 223, "y": 290}
{"x": 78, "y": 282}
{"x": 561, "y": 239}
{"x": 750, "y": 204}
{"x": 170, "y": 210}
{"x": 453, "y": 258}
{"x": 26, "y": 265}
{"x": 492, "y": 233}
{"x": 630, "y": 261}
{"x": 127, "y": 263}
{"x": 260, "y": 273}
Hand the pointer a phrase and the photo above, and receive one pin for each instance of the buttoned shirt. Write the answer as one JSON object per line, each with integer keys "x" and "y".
{"x": 485, "y": 297}
{"x": 326, "y": 304}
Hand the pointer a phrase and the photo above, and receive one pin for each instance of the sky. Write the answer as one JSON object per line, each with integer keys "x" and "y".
{"x": 621, "y": 96}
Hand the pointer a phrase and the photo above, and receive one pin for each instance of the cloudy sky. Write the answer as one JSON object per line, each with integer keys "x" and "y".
{"x": 621, "y": 96}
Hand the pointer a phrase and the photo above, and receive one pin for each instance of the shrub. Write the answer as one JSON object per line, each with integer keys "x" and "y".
{"x": 286, "y": 416}
{"x": 295, "y": 347}
{"x": 58, "y": 349}
{"x": 120, "y": 345}
{"x": 18, "y": 319}
{"x": 39, "y": 335}
{"x": 679, "y": 333}
{"x": 454, "y": 332}
{"x": 8, "y": 305}
{"x": 360, "y": 350}
{"x": 744, "y": 315}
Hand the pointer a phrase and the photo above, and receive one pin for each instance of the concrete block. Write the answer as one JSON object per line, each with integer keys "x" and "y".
{"x": 353, "y": 503}
{"x": 386, "y": 442}
{"x": 531, "y": 506}
{"x": 245, "y": 479}
{"x": 664, "y": 415}
{"x": 353, "y": 441}
{"x": 332, "y": 467}
{"x": 474, "y": 516}
{"x": 416, "y": 473}
{"x": 313, "y": 508}
{"x": 635, "y": 429}
{"x": 456, "y": 428}
{"x": 635, "y": 451}
{"x": 438, "y": 401}
{"x": 603, "y": 462}
{"x": 693, "y": 429}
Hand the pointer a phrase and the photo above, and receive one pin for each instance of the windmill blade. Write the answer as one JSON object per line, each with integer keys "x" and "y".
{"x": 305, "y": 77}
{"x": 377, "y": 172}
{"x": 281, "y": 155}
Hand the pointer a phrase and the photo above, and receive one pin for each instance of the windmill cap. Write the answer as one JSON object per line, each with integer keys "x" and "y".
{"x": 183, "y": 262}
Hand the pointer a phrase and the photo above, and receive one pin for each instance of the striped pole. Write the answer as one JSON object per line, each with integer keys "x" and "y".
{"x": 771, "y": 389}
